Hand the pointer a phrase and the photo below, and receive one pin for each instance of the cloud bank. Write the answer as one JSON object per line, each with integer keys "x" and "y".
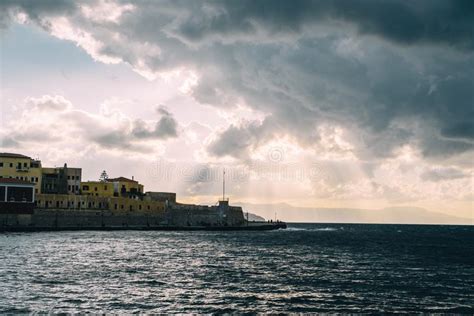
{"x": 396, "y": 73}
{"x": 370, "y": 84}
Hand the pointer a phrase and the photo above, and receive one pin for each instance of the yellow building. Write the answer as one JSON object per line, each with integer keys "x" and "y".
{"x": 116, "y": 187}
{"x": 115, "y": 204}
{"x": 16, "y": 166}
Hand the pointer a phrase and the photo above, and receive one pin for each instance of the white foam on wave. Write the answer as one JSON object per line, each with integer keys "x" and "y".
{"x": 293, "y": 229}
{"x": 326, "y": 229}
{"x": 323, "y": 229}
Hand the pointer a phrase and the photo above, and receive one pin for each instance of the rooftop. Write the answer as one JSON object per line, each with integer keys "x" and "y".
{"x": 12, "y": 155}
{"x": 121, "y": 179}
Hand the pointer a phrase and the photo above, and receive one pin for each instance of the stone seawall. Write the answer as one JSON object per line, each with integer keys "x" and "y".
{"x": 180, "y": 216}
{"x": 71, "y": 219}
{"x": 192, "y": 215}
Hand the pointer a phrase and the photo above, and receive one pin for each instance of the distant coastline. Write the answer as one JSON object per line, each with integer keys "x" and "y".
{"x": 394, "y": 215}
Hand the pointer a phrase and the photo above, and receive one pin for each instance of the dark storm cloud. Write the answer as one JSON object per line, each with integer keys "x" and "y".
{"x": 407, "y": 22}
{"x": 442, "y": 174}
{"x": 166, "y": 127}
{"x": 389, "y": 99}
{"x": 237, "y": 140}
{"x": 9, "y": 142}
{"x": 35, "y": 9}
{"x": 391, "y": 72}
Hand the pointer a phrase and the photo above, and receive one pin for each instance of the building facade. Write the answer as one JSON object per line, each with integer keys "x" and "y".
{"x": 16, "y": 196}
{"x": 90, "y": 202}
{"x": 116, "y": 187}
{"x": 21, "y": 167}
{"x": 61, "y": 180}
{"x": 167, "y": 197}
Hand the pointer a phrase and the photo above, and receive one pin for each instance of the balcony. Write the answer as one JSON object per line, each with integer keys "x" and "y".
{"x": 22, "y": 169}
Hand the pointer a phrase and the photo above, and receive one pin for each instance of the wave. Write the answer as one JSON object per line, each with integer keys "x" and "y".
{"x": 322, "y": 229}
{"x": 326, "y": 229}
{"x": 292, "y": 229}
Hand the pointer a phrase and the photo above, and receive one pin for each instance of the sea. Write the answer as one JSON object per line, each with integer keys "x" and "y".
{"x": 307, "y": 268}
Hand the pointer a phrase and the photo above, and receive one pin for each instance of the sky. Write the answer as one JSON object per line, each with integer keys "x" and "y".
{"x": 345, "y": 104}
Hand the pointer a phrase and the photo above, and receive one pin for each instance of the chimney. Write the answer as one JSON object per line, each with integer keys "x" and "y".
{"x": 133, "y": 178}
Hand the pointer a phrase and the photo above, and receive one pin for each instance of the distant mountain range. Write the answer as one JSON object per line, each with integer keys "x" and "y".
{"x": 393, "y": 215}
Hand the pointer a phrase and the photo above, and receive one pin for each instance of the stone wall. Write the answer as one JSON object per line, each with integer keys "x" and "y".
{"x": 55, "y": 211}
{"x": 75, "y": 219}
{"x": 199, "y": 215}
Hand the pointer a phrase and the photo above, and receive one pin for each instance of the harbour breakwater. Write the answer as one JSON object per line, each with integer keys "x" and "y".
{"x": 178, "y": 217}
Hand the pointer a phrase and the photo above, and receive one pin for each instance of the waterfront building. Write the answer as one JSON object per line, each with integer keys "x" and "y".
{"x": 21, "y": 167}
{"x": 57, "y": 199}
{"x": 115, "y": 187}
{"x": 61, "y": 180}
{"x": 167, "y": 197}
{"x": 91, "y": 202}
{"x": 16, "y": 195}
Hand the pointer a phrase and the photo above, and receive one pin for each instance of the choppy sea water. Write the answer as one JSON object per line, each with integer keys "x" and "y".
{"x": 306, "y": 268}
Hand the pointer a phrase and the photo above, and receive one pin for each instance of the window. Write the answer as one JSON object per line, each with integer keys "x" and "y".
{"x": 11, "y": 164}
{"x": 95, "y": 188}
{"x": 1, "y": 164}
{"x": 69, "y": 177}
{"x": 25, "y": 165}
{"x": 85, "y": 187}
{"x": 105, "y": 188}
